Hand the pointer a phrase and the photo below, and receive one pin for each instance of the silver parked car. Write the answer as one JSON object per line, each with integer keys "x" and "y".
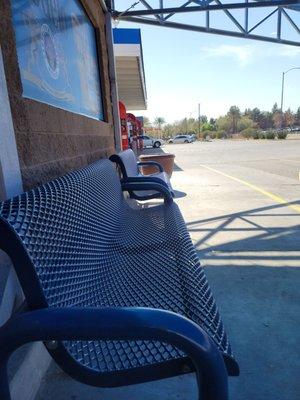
{"x": 181, "y": 139}
{"x": 149, "y": 141}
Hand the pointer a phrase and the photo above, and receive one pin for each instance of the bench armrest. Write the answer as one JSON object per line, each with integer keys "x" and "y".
{"x": 118, "y": 324}
{"x": 150, "y": 163}
{"x": 145, "y": 178}
{"x": 163, "y": 190}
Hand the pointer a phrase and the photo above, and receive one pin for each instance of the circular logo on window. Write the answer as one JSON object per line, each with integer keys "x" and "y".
{"x": 49, "y": 51}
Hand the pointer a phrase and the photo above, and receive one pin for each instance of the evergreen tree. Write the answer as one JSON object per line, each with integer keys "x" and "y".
{"x": 234, "y": 114}
{"x": 297, "y": 117}
{"x": 275, "y": 108}
{"x": 289, "y": 118}
{"x": 159, "y": 121}
{"x": 256, "y": 115}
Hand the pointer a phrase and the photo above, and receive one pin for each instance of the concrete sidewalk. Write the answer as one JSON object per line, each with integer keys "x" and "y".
{"x": 250, "y": 248}
{"x": 249, "y": 245}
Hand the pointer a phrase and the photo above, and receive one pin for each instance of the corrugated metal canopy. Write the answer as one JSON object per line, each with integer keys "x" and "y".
{"x": 130, "y": 69}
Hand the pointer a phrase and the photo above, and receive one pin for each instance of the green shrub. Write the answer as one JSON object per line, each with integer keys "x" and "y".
{"x": 255, "y": 135}
{"x": 245, "y": 123}
{"x": 248, "y": 133}
{"x": 220, "y": 134}
{"x": 261, "y": 135}
{"x": 282, "y": 135}
{"x": 204, "y": 134}
{"x": 207, "y": 127}
{"x": 270, "y": 135}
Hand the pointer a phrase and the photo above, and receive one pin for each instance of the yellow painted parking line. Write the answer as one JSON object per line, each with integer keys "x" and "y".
{"x": 272, "y": 196}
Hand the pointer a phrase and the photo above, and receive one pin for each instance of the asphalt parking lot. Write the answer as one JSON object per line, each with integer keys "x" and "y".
{"x": 242, "y": 208}
{"x": 241, "y": 203}
{"x": 256, "y": 183}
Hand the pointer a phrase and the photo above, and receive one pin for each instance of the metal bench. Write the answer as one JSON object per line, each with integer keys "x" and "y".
{"x": 117, "y": 294}
{"x": 130, "y": 170}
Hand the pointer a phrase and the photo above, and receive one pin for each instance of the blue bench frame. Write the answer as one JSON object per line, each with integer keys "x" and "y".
{"x": 53, "y": 325}
{"x": 113, "y": 324}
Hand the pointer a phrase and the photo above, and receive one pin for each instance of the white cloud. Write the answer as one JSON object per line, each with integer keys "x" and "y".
{"x": 243, "y": 54}
{"x": 249, "y": 53}
{"x": 289, "y": 51}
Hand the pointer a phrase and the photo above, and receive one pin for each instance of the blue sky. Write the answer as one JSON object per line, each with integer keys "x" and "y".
{"x": 183, "y": 68}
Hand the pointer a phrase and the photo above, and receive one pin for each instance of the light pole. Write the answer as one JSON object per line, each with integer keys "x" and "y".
{"x": 282, "y": 91}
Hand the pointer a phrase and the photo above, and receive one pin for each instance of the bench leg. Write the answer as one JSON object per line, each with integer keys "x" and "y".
{"x": 4, "y": 386}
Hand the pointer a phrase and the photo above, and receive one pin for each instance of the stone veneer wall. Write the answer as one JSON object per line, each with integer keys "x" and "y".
{"x": 52, "y": 141}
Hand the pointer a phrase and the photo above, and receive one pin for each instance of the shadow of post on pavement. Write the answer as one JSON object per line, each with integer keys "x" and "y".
{"x": 255, "y": 278}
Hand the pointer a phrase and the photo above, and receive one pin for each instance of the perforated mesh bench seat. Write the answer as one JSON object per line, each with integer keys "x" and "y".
{"x": 75, "y": 242}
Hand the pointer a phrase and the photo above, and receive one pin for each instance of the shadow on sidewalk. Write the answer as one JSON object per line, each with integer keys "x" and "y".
{"x": 256, "y": 282}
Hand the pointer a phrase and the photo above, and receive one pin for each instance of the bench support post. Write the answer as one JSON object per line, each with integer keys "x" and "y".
{"x": 4, "y": 386}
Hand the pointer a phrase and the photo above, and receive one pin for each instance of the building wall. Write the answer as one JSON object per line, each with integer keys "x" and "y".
{"x": 52, "y": 141}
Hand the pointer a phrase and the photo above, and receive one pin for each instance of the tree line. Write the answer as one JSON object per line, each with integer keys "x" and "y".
{"x": 249, "y": 123}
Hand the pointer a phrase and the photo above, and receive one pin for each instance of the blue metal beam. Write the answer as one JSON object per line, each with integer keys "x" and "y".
{"x": 221, "y": 32}
{"x": 279, "y": 19}
{"x": 291, "y": 21}
{"x": 184, "y": 9}
{"x": 149, "y": 8}
{"x": 182, "y": 6}
{"x": 164, "y": 14}
{"x": 263, "y": 20}
{"x": 231, "y": 17}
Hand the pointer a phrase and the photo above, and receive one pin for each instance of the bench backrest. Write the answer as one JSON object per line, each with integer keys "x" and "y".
{"x": 58, "y": 235}
{"x": 128, "y": 163}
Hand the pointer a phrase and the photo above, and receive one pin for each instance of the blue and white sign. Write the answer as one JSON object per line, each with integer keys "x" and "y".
{"x": 127, "y": 36}
{"x": 57, "y": 54}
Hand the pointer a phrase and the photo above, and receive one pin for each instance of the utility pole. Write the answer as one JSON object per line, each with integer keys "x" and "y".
{"x": 282, "y": 92}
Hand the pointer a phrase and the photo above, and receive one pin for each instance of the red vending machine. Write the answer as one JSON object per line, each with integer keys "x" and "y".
{"x": 132, "y": 126}
{"x": 140, "y": 136}
{"x": 124, "y": 130}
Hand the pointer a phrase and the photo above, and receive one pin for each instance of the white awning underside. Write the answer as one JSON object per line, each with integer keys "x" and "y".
{"x": 130, "y": 76}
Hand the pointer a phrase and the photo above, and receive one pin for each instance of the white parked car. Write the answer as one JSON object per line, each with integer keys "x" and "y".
{"x": 149, "y": 141}
{"x": 181, "y": 139}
